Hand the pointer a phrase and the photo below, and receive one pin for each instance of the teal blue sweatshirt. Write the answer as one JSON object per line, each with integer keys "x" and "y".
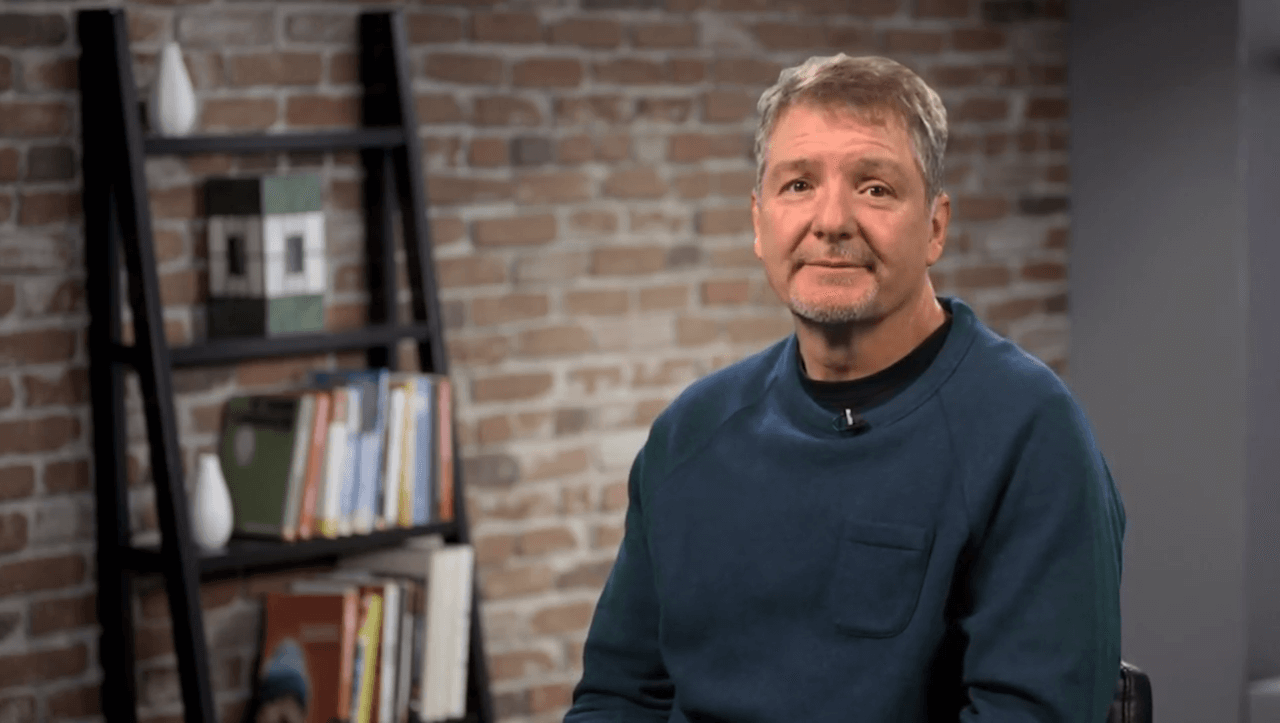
{"x": 958, "y": 559}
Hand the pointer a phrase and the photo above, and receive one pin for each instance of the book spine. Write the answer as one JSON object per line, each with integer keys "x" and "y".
{"x": 350, "y": 624}
{"x": 351, "y": 472}
{"x": 335, "y": 464}
{"x": 445, "y": 453}
{"x": 394, "y": 459}
{"x": 297, "y": 466}
{"x": 315, "y": 466}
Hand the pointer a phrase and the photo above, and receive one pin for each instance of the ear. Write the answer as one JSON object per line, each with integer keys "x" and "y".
{"x": 940, "y": 218}
{"x": 755, "y": 223}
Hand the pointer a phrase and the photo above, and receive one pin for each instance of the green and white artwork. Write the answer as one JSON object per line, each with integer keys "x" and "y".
{"x": 267, "y": 269}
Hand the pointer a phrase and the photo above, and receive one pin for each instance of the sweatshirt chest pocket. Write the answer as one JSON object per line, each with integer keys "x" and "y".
{"x": 879, "y": 571}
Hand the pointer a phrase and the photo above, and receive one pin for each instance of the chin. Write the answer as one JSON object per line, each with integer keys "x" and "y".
{"x": 831, "y": 311}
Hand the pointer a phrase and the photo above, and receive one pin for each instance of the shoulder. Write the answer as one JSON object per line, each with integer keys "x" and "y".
{"x": 698, "y": 412}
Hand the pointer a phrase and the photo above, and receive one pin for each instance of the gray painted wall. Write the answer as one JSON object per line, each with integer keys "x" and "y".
{"x": 1159, "y": 346}
{"x": 1260, "y": 78}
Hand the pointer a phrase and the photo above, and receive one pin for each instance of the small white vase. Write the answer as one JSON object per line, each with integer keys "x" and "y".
{"x": 173, "y": 99}
{"x": 211, "y": 513}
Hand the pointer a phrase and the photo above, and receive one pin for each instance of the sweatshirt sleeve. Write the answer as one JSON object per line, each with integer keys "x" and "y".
{"x": 1043, "y": 623}
{"x": 623, "y": 675}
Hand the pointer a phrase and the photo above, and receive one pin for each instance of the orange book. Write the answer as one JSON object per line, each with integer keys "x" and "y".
{"x": 315, "y": 467}
{"x": 308, "y": 652}
{"x": 444, "y": 456}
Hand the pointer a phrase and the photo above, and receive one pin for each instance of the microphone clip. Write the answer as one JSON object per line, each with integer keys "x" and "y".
{"x": 850, "y": 423}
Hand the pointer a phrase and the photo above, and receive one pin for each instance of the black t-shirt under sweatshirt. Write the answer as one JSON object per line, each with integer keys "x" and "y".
{"x": 862, "y": 394}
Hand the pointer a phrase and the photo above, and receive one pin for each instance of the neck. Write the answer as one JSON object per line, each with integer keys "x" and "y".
{"x": 862, "y": 348}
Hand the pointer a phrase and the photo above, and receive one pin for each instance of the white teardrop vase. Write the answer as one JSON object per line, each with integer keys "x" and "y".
{"x": 211, "y": 513}
{"x": 173, "y": 99}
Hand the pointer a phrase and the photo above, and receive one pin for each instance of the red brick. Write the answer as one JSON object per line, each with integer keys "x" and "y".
{"x": 1047, "y": 108}
{"x": 344, "y": 69}
{"x": 506, "y": 27}
{"x": 6, "y": 73}
{"x": 49, "y": 573}
{"x": 983, "y": 277}
{"x": 596, "y": 222}
{"x": 687, "y": 71}
{"x": 747, "y": 71}
{"x": 13, "y": 532}
{"x": 629, "y": 71}
{"x": 635, "y": 183}
{"x": 514, "y": 664}
{"x": 506, "y": 110}
{"x": 913, "y": 41}
{"x": 669, "y": 110}
{"x": 606, "y": 108}
{"x": 464, "y": 68}
{"x": 6, "y": 206}
{"x": 274, "y": 69}
{"x": 726, "y": 220}
{"x": 554, "y": 341}
{"x": 438, "y": 108}
{"x": 8, "y": 164}
{"x": 272, "y": 372}
{"x": 695, "y": 147}
{"x": 553, "y": 187}
{"x": 561, "y": 619}
{"x": 735, "y": 291}
{"x": 178, "y": 202}
{"x": 627, "y": 260}
{"x": 665, "y": 35}
{"x": 55, "y": 74}
{"x": 1047, "y": 271}
{"x": 692, "y": 331}
{"x": 451, "y": 190}
{"x": 756, "y": 330}
{"x": 982, "y": 109}
{"x": 943, "y": 8}
{"x": 432, "y": 28}
{"x": 319, "y": 110}
{"x": 596, "y": 303}
{"x": 516, "y": 231}
{"x": 789, "y": 36}
{"x": 17, "y": 482}
{"x": 44, "y": 665}
{"x": 1012, "y": 310}
{"x": 72, "y": 387}
{"x": 237, "y": 113}
{"x": 980, "y": 208}
{"x": 37, "y": 347}
{"x": 476, "y": 351}
{"x": 45, "y": 207}
{"x": 470, "y": 271}
{"x": 510, "y": 387}
{"x": 63, "y": 614}
{"x": 978, "y": 39}
{"x": 591, "y": 33}
{"x": 488, "y": 153}
{"x": 7, "y": 394}
{"x": 34, "y": 118}
{"x": 966, "y": 76}
{"x": 547, "y": 73}
{"x": 724, "y": 106}
{"x": 492, "y": 310}
{"x": 80, "y": 702}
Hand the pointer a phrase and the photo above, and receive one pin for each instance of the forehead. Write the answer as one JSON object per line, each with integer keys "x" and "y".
{"x": 811, "y": 123}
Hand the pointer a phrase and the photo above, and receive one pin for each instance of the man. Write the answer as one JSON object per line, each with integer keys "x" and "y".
{"x": 893, "y": 515}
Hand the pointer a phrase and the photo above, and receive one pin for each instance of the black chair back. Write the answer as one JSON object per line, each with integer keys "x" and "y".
{"x": 1132, "y": 702}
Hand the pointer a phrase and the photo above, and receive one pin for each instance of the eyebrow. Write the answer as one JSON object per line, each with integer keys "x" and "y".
{"x": 862, "y": 165}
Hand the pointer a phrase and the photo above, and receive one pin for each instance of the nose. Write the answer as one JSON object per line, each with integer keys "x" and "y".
{"x": 833, "y": 219}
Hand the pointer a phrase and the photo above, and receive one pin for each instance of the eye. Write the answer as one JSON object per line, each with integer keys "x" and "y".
{"x": 878, "y": 190}
{"x": 797, "y": 185}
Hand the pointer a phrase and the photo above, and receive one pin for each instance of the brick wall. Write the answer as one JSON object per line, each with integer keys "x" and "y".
{"x": 588, "y": 169}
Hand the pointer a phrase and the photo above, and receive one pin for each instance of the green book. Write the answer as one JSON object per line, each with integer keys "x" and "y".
{"x": 257, "y": 452}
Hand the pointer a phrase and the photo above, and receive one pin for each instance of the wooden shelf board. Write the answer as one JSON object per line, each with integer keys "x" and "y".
{"x": 246, "y": 555}
{"x": 343, "y": 140}
{"x": 225, "y": 351}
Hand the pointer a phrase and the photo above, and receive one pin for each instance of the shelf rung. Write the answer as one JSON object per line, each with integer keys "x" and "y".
{"x": 239, "y": 349}
{"x": 276, "y": 142}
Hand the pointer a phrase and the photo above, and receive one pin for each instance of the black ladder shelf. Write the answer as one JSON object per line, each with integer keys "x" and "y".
{"x": 117, "y": 218}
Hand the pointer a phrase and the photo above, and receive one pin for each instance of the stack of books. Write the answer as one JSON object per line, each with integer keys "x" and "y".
{"x": 384, "y": 639}
{"x": 353, "y": 452}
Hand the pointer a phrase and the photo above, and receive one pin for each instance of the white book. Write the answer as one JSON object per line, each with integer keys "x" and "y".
{"x": 461, "y": 584}
{"x": 439, "y": 639}
{"x": 394, "y": 459}
{"x": 334, "y": 470}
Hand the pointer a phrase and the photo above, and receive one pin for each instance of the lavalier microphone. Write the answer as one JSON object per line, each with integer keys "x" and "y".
{"x": 850, "y": 423}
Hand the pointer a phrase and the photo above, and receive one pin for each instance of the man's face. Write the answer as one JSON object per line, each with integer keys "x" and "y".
{"x": 841, "y": 219}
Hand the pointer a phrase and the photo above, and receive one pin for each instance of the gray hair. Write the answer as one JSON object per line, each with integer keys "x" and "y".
{"x": 870, "y": 86}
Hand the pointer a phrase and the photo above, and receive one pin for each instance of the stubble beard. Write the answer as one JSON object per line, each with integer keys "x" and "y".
{"x": 835, "y": 314}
